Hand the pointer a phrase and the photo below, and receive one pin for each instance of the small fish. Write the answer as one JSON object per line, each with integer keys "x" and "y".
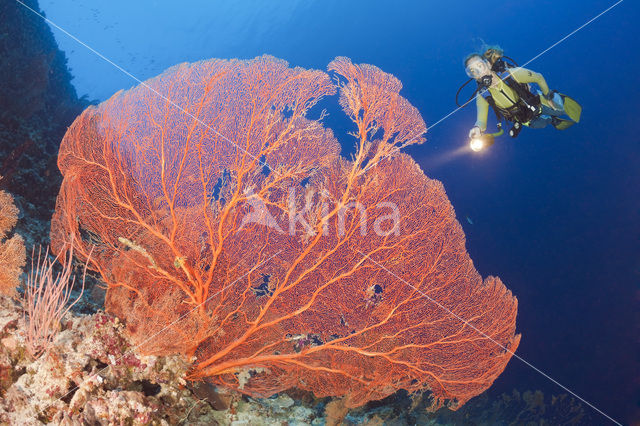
{"x": 469, "y": 220}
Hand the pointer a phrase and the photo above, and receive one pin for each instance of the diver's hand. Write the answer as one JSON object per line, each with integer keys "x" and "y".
{"x": 475, "y": 132}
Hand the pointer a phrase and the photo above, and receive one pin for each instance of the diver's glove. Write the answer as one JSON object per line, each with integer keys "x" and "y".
{"x": 475, "y": 132}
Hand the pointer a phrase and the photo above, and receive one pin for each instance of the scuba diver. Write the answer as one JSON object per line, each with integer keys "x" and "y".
{"x": 506, "y": 88}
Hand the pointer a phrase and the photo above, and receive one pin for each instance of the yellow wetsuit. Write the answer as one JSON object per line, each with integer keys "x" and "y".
{"x": 504, "y": 96}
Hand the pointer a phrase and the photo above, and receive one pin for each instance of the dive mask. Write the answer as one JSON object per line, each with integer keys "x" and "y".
{"x": 477, "y": 68}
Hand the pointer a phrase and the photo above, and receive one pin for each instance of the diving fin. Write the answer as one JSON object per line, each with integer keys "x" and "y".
{"x": 571, "y": 108}
{"x": 562, "y": 124}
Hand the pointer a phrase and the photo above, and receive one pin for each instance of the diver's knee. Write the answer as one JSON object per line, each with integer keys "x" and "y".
{"x": 557, "y": 99}
{"x": 539, "y": 122}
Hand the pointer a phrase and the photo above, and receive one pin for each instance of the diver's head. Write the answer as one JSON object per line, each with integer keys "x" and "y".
{"x": 477, "y": 66}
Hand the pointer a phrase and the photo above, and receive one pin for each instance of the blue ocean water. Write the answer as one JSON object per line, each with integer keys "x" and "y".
{"x": 554, "y": 214}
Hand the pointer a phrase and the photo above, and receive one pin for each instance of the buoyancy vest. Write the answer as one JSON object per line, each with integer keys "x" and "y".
{"x": 523, "y": 109}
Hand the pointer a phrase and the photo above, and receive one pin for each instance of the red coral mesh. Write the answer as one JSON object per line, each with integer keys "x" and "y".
{"x": 161, "y": 179}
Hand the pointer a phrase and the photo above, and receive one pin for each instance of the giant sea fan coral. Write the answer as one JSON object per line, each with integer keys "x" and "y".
{"x": 351, "y": 277}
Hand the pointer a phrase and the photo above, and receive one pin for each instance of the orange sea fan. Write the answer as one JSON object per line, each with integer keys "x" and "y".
{"x": 12, "y": 250}
{"x": 227, "y": 226}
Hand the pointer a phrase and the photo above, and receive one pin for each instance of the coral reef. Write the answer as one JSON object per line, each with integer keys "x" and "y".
{"x": 12, "y": 250}
{"x": 182, "y": 186}
{"x": 38, "y": 102}
{"x": 89, "y": 376}
{"x": 531, "y": 408}
{"x": 93, "y": 375}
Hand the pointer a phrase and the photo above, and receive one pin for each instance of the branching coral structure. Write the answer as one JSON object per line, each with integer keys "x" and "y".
{"x": 12, "y": 250}
{"x": 227, "y": 227}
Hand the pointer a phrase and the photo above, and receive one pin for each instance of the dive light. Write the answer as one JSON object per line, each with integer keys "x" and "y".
{"x": 481, "y": 142}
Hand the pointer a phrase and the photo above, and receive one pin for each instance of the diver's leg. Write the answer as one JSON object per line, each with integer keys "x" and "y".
{"x": 552, "y": 111}
{"x": 551, "y": 116}
{"x": 539, "y": 122}
{"x": 572, "y": 116}
{"x": 557, "y": 99}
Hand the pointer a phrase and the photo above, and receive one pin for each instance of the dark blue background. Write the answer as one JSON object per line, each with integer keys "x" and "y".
{"x": 555, "y": 214}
